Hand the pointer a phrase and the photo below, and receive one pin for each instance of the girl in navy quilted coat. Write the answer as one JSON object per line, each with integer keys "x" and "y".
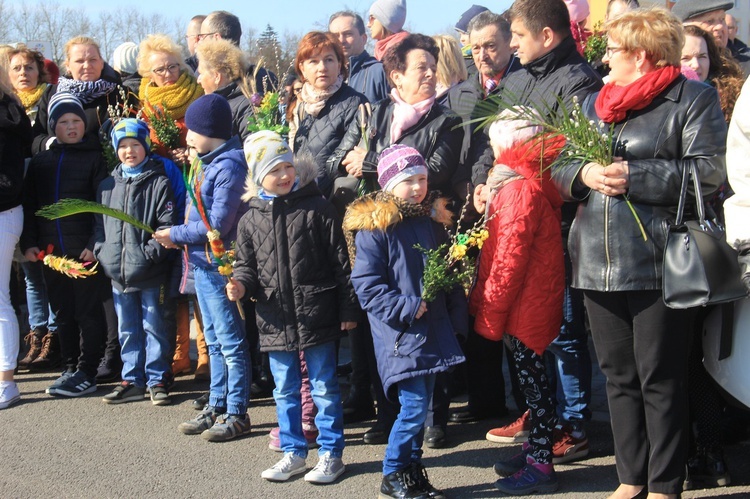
{"x": 413, "y": 340}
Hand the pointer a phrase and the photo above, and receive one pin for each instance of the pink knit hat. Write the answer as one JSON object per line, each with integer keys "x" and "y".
{"x": 397, "y": 163}
{"x": 578, "y": 9}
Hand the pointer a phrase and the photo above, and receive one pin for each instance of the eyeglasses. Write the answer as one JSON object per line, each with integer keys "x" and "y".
{"x": 172, "y": 68}
{"x": 201, "y": 36}
{"x": 609, "y": 51}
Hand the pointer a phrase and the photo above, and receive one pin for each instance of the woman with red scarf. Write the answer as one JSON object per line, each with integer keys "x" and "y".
{"x": 662, "y": 124}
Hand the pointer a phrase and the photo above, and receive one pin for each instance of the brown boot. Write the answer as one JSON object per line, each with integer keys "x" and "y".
{"x": 181, "y": 359}
{"x": 49, "y": 357}
{"x": 202, "y": 371}
{"x": 34, "y": 340}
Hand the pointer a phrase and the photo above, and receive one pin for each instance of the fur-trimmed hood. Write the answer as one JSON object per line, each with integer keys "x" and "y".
{"x": 307, "y": 171}
{"x": 380, "y": 210}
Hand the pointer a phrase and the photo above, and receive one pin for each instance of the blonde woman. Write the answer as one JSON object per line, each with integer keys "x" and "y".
{"x": 222, "y": 67}
{"x": 451, "y": 69}
{"x": 167, "y": 82}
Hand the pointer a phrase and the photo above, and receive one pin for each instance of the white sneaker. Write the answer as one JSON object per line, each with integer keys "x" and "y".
{"x": 291, "y": 464}
{"x": 8, "y": 394}
{"x": 328, "y": 469}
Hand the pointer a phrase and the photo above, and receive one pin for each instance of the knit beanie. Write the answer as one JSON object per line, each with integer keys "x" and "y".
{"x": 62, "y": 103}
{"x": 462, "y": 25}
{"x": 131, "y": 128}
{"x": 390, "y": 13}
{"x": 578, "y": 9}
{"x": 397, "y": 163}
{"x": 263, "y": 151}
{"x": 688, "y": 9}
{"x": 124, "y": 58}
{"x": 511, "y": 128}
{"x": 210, "y": 116}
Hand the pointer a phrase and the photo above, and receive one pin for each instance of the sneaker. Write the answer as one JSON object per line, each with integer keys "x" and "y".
{"x": 528, "y": 480}
{"x": 566, "y": 447}
{"x": 328, "y": 469}
{"x": 311, "y": 436}
{"x": 109, "y": 370}
{"x": 291, "y": 464}
{"x": 227, "y": 427}
{"x": 159, "y": 395}
{"x": 200, "y": 423}
{"x": 513, "y": 433}
{"x": 59, "y": 381}
{"x": 514, "y": 464}
{"x": 79, "y": 383}
{"x": 9, "y": 394}
{"x": 124, "y": 392}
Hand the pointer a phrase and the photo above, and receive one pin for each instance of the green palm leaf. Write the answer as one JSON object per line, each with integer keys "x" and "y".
{"x": 67, "y": 207}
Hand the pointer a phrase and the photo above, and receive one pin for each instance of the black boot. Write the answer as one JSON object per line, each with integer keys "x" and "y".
{"x": 401, "y": 485}
{"x": 419, "y": 474}
{"x": 707, "y": 469}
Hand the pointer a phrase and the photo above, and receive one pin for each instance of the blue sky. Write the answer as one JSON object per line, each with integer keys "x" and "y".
{"x": 426, "y": 16}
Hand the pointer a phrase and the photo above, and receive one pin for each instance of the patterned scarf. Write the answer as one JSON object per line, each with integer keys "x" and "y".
{"x": 406, "y": 115}
{"x": 86, "y": 91}
{"x": 315, "y": 100}
{"x": 175, "y": 98}
{"x": 29, "y": 98}
{"x": 499, "y": 176}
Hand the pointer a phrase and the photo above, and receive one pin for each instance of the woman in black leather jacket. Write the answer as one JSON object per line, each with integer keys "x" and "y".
{"x": 662, "y": 124}
{"x": 410, "y": 117}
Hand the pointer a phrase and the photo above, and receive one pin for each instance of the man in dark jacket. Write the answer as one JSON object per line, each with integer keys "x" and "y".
{"x": 366, "y": 74}
{"x": 553, "y": 74}
{"x": 192, "y": 34}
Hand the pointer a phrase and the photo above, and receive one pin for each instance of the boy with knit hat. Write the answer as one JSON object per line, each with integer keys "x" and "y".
{"x": 292, "y": 259}
{"x": 72, "y": 167}
{"x": 414, "y": 340}
{"x": 218, "y": 172}
{"x": 137, "y": 264}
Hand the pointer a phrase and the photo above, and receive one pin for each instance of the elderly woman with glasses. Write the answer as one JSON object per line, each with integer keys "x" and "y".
{"x": 169, "y": 84}
{"x": 663, "y": 123}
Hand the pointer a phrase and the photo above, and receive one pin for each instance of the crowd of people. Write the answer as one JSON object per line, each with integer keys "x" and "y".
{"x": 283, "y": 240}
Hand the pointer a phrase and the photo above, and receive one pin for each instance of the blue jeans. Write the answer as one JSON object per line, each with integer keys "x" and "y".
{"x": 143, "y": 336}
{"x": 405, "y": 441}
{"x": 570, "y": 369}
{"x": 228, "y": 354}
{"x": 321, "y": 369}
{"x": 40, "y": 314}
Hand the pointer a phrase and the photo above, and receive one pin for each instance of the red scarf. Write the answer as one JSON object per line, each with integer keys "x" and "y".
{"x": 382, "y": 46}
{"x": 615, "y": 101}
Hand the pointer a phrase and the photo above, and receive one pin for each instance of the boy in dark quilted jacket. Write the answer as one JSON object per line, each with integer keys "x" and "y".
{"x": 292, "y": 259}
{"x": 518, "y": 294}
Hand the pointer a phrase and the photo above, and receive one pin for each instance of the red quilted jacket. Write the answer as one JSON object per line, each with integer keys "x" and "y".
{"x": 521, "y": 279}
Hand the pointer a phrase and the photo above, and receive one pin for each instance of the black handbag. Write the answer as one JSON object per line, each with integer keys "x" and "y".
{"x": 699, "y": 267}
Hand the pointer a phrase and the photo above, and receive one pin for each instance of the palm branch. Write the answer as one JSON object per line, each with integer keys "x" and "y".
{"x": 67, "y": 207}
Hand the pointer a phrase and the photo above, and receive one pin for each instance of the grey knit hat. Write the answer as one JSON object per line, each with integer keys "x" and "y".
{"x": 687, "y": 9}
{"x": 390, "y": 13}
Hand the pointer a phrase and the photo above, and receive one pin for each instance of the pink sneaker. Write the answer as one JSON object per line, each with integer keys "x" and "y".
{"x": 311, "y": 435}
{"x": 513, "y": 433}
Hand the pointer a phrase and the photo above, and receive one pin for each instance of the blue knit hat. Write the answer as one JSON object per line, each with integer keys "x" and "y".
{"x": 62, "y": 103}
{"x": 131, "y": 128}
{"x": 210, "y": 116}
{"x": 462, "y": 26}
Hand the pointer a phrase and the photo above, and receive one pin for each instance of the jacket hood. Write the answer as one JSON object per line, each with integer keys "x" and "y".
{"x": 361, "y": 61}
{"x": 533, "y": 160}
{"x": 231, "y": 90}
{"x": 304, "y": 164}
{"x": 378, "y": 212}
{"x": 151, "y": 168}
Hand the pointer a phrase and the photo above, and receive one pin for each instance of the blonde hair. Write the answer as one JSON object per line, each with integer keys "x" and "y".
{"x": 223, "y": 57}
{"x": 654, "y": 30}
{"x": 157, "y": 44}
{"x": 450, "y": 62}
{"x": 81, "y": 40}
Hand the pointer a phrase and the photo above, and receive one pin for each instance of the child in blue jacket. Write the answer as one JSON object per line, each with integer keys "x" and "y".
{"x": 413, "y": 340}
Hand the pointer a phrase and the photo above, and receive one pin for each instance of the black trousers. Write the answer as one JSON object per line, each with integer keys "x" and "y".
{"x": 81, "y": 325}
{"x": 642, "y": 346}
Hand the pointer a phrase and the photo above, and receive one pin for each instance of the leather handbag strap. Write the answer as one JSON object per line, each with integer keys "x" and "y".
{"x": 687, "y": 172}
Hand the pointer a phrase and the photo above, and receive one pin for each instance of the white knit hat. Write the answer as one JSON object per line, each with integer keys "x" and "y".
{"x": 124, "y": 58}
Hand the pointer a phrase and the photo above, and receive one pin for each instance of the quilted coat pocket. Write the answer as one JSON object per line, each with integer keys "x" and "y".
{"x": 319, "y": 305}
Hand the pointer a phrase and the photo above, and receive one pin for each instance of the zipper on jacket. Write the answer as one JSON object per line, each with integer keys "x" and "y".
{"x": 607, "y": 202}
{"x": 57, "y": 198}
{"x": 122, "y": 238}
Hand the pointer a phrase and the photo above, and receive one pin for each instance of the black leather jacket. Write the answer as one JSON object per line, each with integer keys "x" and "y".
{"x": 684, "y": 124}
{"x": 438, "y": 136}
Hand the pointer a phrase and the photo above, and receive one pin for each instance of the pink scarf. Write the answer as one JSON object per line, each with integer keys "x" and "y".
{"x": 382, "y": 46}
{"x": 406, "y": 115}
